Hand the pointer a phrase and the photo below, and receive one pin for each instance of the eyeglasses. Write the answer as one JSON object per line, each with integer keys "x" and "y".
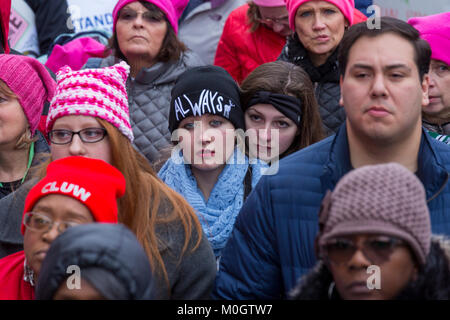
{"x": 41, "y": 223}
{"x": 377, "y": 249}
{"x": 148, "y": 16}
{"x": 88, "y": 135}
{"x": 271, "y": 21}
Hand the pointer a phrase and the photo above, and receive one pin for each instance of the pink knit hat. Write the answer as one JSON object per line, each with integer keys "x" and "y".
{"x": 172, "y": 9}
{"x": 436, "y": 30}
{"x": 347, "y": 8}
{"x": 74, "y": 53}
{"x": 97, "y": 93}
{"x": 270, "y": 3}
{"x": 384, "y": 199}
{"x": 30, "y": 82}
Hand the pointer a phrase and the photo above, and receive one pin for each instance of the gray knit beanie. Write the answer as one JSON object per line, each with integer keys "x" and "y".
{"x": 379, "y": 199}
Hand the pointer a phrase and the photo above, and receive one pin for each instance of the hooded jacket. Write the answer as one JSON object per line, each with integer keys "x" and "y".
{"x": 240, "y": 51}
{"x": 274, "y": 233}
{"x": 432, "y": 283}
{"x": 149, "y": 101}
{"x": 109, "y": 256}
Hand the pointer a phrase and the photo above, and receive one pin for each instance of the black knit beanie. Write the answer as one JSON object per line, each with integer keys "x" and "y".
{"x": 206, "y": 89}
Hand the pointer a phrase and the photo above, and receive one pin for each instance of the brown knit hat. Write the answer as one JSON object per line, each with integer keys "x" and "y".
{"x": 384, "y": 199}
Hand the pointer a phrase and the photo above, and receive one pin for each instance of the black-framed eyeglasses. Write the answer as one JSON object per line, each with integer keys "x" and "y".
{"x": 87, "y": 135}
{"x": 377, "y": 249}
{"x": 41, "y": 223}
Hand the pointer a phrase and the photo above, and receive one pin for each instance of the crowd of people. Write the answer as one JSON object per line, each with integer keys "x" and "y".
{"x": 269, "y": 149}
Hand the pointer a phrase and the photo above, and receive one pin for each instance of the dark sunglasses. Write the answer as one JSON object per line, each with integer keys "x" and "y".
{"x": 148, "y": 16}
{"x": 377, "y": 249}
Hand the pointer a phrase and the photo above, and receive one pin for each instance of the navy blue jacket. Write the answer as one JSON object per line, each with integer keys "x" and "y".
{"x": 272, "y": 243}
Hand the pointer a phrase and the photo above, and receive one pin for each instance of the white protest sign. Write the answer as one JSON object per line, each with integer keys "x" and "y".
{"x": 89, "y": 15}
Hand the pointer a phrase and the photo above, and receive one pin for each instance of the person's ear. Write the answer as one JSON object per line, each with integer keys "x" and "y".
{"x": 425, "y": 87}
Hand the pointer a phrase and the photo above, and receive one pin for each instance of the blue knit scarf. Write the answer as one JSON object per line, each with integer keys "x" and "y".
{"x": 218, "y": 214}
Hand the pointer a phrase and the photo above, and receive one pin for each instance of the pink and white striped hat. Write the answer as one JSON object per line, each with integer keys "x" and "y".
{"x": 97, "y": 93}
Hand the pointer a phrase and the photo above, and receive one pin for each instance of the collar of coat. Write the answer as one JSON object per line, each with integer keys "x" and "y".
{"x": 431, "y": 170}
{"x": 328, "y": 72}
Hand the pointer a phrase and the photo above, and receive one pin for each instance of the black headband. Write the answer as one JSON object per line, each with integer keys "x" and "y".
{"x": 288, "y": 105}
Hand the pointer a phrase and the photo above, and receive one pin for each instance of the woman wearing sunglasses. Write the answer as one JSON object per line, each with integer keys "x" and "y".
{"x": 375, "y": 243}
{"x": 145, "y": 36}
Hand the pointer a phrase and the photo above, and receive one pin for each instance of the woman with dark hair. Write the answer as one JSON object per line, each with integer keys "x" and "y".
{"x": 208, "y": 166}
{"x": 279, "y": 97}
{"x": 254, "y": 33}
{"x": 375, "y": 241}
{"x": 319, "y": 27}
{"x": 145, "y": 36}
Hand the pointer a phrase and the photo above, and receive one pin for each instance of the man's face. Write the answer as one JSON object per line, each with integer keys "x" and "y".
{"x": 382, "y": 91}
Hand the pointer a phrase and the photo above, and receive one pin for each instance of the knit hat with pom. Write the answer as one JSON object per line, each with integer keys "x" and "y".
{"x": 384, "y": 199}
{"x": 97, "y": 93}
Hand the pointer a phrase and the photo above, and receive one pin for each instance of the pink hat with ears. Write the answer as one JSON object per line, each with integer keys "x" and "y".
{"x": 97, "y": 93}
{"x": 436, "y": 30}
{"x": 270, "y": 3}
{"x": 171, "y": 8}
{"x": 347, "y": 7}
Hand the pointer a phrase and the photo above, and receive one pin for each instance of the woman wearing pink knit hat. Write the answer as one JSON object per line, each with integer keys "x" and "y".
{"x": 435, "y": 29}
{"x": 254, "y": 33}
{"x": 145, "y": 36}
{"x": 319, "y": 26}
{"x": 25, "y": 86}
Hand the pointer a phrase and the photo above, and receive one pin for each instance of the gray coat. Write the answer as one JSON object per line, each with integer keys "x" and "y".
{"x": 11, "y": 208}
{"x": 149, "y": 101}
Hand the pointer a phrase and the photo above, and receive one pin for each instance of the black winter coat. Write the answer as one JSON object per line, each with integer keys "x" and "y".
{"x": 325, "y": 79}
{"x": 11, "y": 206}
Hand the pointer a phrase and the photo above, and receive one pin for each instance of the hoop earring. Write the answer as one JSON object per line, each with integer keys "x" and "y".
{"x": 331, "y": 290}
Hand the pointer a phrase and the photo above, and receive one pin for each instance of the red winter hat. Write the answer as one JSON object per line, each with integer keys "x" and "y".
{"x": 30, "y": 82}
{"x": 93, "y": 182}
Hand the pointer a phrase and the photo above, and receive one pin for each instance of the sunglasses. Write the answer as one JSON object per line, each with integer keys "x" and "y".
{"x": 148, "y": 16}
{"x": 377, "y": 249}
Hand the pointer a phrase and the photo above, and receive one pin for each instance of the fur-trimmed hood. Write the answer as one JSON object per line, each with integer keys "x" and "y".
{"x": 433, "y": 282}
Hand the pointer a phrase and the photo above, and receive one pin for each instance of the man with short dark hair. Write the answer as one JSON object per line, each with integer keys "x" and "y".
{"x": 384, "y": 85}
